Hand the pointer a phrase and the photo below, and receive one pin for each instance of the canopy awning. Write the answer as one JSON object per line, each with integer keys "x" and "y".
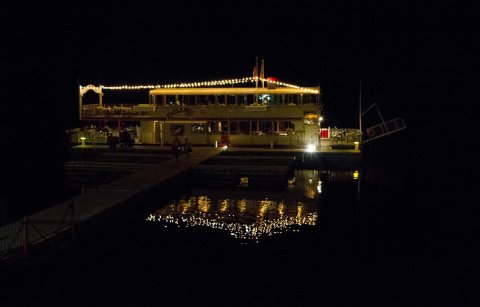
{"x": 235, "y": 91}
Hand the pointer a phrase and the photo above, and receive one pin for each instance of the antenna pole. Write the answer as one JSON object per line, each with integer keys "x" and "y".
{"x": 360, "y": 111}
{"x": 262, "y": 73}
{"x": 256, "y": 80}
{"x": 80, "y": 102}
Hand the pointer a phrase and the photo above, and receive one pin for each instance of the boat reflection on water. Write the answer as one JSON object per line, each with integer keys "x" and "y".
{"x": 249, "y": 215}
{"x": 246, "y": 219}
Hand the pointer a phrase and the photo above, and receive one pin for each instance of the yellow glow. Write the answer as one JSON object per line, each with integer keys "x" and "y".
{"x": 224, "y": 205}
{"x": 244, "y": 182}
{"x": 242, "y": 205}
{"x": 300, "y": 209}
{"x": 356, "y": 145}
{"x": 184, "y": 206}
{"x": 292, "y": 182}
{"x": 264, "y": 208}
{"x": 310, "y": 192}
{"x": 253, "y": 219}
{"x": 355, "y": 175}
{"x": 311, "y": 116}
{"x": 204, "y": 204}
{"x": 281, "y": 208}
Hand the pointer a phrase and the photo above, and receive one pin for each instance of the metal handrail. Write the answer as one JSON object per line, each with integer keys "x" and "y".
{"x": 45, "y": 224}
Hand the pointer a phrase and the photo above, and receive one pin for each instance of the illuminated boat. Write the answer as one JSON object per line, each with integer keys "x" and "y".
{"x": 249, "y": 111}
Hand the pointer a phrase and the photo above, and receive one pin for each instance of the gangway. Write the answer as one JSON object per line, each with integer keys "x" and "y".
{"x": 383, "y": 129}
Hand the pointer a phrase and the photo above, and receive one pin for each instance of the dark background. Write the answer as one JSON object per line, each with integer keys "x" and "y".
{"x": 414, "y": 59}
{"x": 405, "y": 54}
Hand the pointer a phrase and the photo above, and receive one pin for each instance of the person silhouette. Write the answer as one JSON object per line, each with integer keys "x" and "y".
{"x": 176, "y": 147}
{"x": 188, "y": 147}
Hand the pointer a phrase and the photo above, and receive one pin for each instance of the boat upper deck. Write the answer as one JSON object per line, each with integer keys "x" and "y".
{"x": 200, "y": 100}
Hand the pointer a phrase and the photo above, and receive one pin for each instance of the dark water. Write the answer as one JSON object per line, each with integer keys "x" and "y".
{"x": 401, "y": 234}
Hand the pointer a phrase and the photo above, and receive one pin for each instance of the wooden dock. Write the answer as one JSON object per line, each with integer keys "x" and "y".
{"x": 93, "y": 205}
{"x": 142, "y": 171}
{"x": 256, "y": 169}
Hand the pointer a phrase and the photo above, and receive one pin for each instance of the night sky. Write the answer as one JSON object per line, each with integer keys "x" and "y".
{"x": 406, "y": 54}
{"x": 393, "y": 49}
{"x": 415, "y": 59}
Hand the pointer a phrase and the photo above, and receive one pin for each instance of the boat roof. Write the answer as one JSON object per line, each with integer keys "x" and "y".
{"x": 234, "y": 91}
{"x": 219, "y": 87}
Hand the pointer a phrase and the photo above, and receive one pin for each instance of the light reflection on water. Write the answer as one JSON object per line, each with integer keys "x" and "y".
{"x": 248, "y": 219}
{"x": 249, "y": 214}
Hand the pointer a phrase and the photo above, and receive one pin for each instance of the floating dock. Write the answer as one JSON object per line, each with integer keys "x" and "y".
{"x": 142, "y": 172}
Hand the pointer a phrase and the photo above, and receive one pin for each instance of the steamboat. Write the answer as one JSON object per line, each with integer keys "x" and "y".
{"x": 245, "y": 112}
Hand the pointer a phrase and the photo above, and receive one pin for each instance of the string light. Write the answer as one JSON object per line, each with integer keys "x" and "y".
{"x": 195, "y": 84}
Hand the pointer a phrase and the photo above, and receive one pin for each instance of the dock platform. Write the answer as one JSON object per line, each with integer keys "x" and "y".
{"x": 151, "y": 170}
{"x": 89, "y": 207}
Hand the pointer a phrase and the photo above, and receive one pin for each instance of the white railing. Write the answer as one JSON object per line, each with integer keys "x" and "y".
{"x": 344, "y": 135}
{"x": 18, "y": 238}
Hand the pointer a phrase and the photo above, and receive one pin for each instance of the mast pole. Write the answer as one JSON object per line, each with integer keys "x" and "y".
{"x": 256, "y": 80}
{"x": 262, "y": 73}
{"x": 360, "y": 111}
{"x": 80, "y": 102}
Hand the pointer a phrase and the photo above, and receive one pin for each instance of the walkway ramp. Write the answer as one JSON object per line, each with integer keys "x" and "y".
{"x": 384, "y": 129}
{"x": 98, "y": 199}
{"x": 84, "y": 208}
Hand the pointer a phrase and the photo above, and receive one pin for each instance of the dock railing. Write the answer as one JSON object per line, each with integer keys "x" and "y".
{"x": 21, "y": 237}
{"x": 344, "y": 135}
{"x": 385, "y": 128}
